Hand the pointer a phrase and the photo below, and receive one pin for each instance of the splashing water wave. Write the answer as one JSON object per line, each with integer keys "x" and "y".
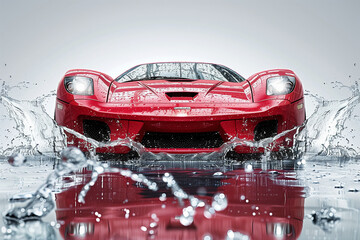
{"x": 72, "y": 160}
{"x": 324, "y": 129}
{"x": 38, "y": 132}
{"x": 41, "y": 202}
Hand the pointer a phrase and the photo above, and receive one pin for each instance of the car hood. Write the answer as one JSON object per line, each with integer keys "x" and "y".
{"x": 165, "y": 91}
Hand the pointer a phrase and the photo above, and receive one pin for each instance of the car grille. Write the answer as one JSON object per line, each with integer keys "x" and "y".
{"x": 182, "y": 140}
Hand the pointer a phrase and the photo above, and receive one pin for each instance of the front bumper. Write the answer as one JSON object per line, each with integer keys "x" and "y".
{"x": 137, "y": 121}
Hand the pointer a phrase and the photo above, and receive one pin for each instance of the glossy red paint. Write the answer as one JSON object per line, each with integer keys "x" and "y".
{"x": 131, "y": 109}
{"x": 256, "y": 203}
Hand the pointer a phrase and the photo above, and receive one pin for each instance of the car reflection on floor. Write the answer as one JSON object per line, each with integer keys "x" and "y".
{"x": 261, "y": 205}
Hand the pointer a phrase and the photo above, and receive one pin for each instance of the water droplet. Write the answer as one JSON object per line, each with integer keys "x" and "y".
{"x": 325, "y": 218}
{"x": 16, "y": 159}
{"x": 72, "y": 157}
{"x": 248, "y": 168}
{"x": 231, "y": 235}
{"x": 207, "y": 237}
{"x": 187, "y": 216}
{"x": 154, "y": 217}
{"x": 207, "y": 214}
{"x": 162, "y": 197}
{"x": 219, "y": 202}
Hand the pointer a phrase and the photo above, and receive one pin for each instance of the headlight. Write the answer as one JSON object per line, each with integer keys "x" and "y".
{"x": 79, "y": 85}
{"x": 280, "y": 85}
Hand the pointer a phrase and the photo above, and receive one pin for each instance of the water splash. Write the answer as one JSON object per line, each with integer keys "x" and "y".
{"x": 324, "y": 129}
{"x": 219, "y": 202}
{"x": 41, "y": 202}
{"x": 325, "y": 218}
{"x": 93, "y": 144}
{"x": 268, "y": 145}
{"x": 38, "y": 132}
{"x": 16, "y": 159}
{"x": 25, "y": 231}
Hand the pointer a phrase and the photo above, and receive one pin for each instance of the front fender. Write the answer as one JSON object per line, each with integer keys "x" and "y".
{"x": 258, "y": 86}
{"x": 101, "y": 86}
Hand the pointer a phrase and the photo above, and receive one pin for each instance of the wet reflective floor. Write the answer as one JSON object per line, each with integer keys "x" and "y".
{"x": 313, "y": 198}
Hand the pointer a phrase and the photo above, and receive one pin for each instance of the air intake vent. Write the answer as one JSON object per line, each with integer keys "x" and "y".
{"x": 180, "y": 80}
{"x": 265, "y": 129}
{"x": 182, "y": 140}
{"x": 181, "y": 95}
{"x": 96, "y": 130}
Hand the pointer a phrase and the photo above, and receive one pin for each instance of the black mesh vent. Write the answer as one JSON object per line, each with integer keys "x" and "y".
{"x": 96, "y": 130}
{"x": 181, "y": 94}
{"x": 182, "y": 140}
{"x": 265, "y": 129}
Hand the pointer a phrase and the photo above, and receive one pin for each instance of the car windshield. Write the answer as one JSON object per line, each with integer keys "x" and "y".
{"x": 180, "y": 70}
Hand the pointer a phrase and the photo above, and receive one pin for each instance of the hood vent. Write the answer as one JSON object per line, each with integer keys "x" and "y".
{"x": 181, "y": 95}
{"x": 181, "y": 80}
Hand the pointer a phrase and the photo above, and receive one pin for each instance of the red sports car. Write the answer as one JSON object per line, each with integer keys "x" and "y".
{"x": 180, "y": 107}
